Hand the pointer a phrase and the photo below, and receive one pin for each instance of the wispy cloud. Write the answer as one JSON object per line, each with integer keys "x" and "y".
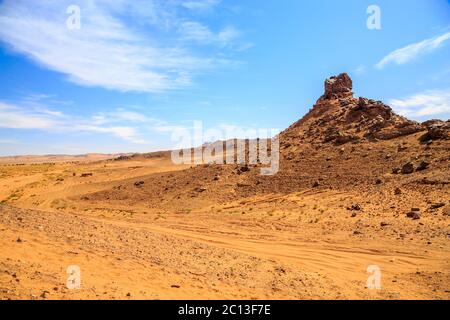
{"x": 115, "y": 47}
{"x": 121, "y": 115}
{"x": 200, "y": 5}
{"x": 9, "y": 141}
{"x": 14, "y": 116}
{"x": 410, "y": 52}
{"x": 426, "y": 104}
{"x": 195, "y": 31}
{"x": 360, "y": 70}
{"x": 126, "y": 133}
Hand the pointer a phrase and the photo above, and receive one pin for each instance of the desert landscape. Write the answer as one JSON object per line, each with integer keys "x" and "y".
{"x": 358, "y": 186}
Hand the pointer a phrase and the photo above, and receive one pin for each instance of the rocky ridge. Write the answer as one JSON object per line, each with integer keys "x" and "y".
{"x": 339, "y": 117}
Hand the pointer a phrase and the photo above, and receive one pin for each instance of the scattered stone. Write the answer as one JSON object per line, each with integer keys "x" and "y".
{"x": 355, "y": 207}
{"x": 423, "y": 166}
{"x": 139, "y": 184}
{"x": 356, "y": 232}
{"x": 413, "y": 215}
{"x": 415, "y": 209}
{"x": 396, "y": 170}
{"x": 437, "y": 206}
{"x": 397, "y": 191}
{"x": 200, "y": 189}
{"x": 384, "y": 224}
{"x": 19, "y": 240}
{"x": 176, "y": 286}
{"x": 280, "y": 270}
{"x": 316, "y": 184}
{"x": 378, "y": 181}
{"x": 437, "y": 130}
{"x": 85, "y": 175}
{"x": 446, "y": 211}
{"x": 407, "y": 168}
{"x": 243, "y": 169}
{"x": 243, "y": 185}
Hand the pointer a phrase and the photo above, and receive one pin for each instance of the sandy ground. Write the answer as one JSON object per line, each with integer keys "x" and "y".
{"x": 234, "y": 239}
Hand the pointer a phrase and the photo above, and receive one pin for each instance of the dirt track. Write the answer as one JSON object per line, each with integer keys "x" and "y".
{"x": 263, "y": 247}
{"x": 141, "y": 227}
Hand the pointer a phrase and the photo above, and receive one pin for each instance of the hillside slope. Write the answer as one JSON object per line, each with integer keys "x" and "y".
{"x": 358, "y": 186}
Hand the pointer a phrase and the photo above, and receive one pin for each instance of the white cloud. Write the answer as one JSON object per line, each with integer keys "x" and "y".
{"x": 126, "y": 133}
{"x": 200, "y": 5}
{"x": 408, "y": 53}
{"x": 360, "y": 70}
{"x": 110, "y": 50}
{"x": 167, "y": 128}
{"x": 19, "y": 117}
{"x": 195, "y": 31}
{"x": 12, "y": 117}
{"x": 122, "y": 115}
{"x": 429, "y": 103}
{"x": 228, "y": 34}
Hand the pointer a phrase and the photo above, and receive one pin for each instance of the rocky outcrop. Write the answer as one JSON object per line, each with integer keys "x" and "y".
{"x": 436, "y": 130}
{"x": 339, "y": 118}
{"x": 338, "y": 87}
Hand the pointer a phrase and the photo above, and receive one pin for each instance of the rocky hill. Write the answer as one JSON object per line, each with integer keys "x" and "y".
{"x": 338, "y": 117}
{"x": 343, "y": 143}
{"x": 358, "y": 186}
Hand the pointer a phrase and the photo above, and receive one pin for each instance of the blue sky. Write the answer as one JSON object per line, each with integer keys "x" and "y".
{"x": 137, "y": 70}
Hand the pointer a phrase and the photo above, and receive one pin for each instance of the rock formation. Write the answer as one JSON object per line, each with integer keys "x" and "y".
{"x": 338, "y": 87}
{"x": 436, "y": 130}
{"x": 338, "y": 117}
